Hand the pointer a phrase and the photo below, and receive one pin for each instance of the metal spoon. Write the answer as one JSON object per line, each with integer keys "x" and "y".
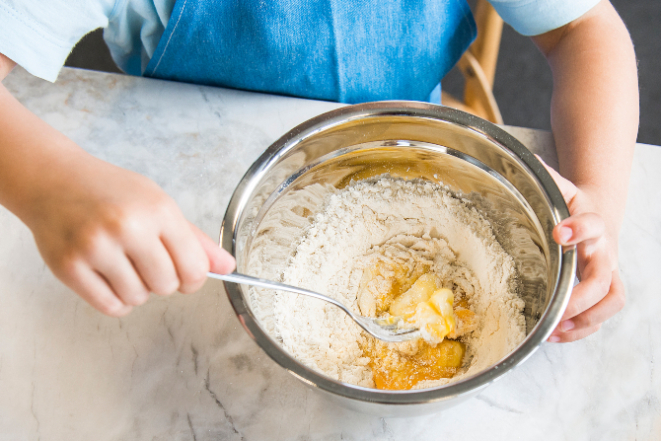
{"x": 383, "y": 329}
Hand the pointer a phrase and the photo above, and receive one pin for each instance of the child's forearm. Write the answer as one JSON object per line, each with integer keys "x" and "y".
{"x": 6, "y": 65}
{"x": 30, "y": 150}
{"x": 24, "y": 148}
{"x": 18, "y": 130}
{"x": 594, "y": 110}
{"x": 28, "y": 147}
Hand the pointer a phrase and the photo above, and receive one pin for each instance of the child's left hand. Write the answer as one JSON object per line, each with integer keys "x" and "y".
{"x": 600, "y": 293}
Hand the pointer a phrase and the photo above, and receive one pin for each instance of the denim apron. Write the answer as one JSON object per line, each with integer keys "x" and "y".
{"x": 349, "y": 51}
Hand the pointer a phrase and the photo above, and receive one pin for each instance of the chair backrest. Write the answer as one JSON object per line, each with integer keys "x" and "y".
{"x": 478, "y": 66}
{"x": 487, "y": 44}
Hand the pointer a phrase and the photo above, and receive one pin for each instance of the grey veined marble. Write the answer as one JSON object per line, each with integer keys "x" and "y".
{"x": 182, "y": 368}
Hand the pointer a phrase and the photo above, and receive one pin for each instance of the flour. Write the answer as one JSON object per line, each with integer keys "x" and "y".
{"x": 413, "y": 225}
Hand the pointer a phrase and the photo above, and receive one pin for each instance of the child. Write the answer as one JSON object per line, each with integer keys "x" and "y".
{"x": 113, "y": 236}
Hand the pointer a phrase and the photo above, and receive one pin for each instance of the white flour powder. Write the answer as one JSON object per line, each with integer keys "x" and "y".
{"x": 414, "y": 223}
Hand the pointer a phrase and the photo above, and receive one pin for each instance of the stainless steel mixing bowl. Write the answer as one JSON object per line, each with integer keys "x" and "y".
{"x": 500, "y": 177}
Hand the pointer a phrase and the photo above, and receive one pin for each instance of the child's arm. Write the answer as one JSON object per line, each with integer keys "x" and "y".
{"x": 6, "y": 65}
{"x": 109, "y": 234}
{"x": 594, "y": 115}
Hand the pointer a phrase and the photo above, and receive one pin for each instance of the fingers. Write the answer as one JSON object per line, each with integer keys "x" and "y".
{"x": 191, "y": 255}
{"x": 154, "y": 264}
{"x": 590, "y": 320}
{"x": 188, "y": 255}
{"x": 596, "y": 283}
{"x": 120, "y": 274}
{"x": 220, "y": 261}
{"x": 573, "y": 335}
{"x": 598, "y": 296}
{"x": 94, "y": 289}
{"x": 584, "y": 228}
{"x": 113, "y": 282}
{"x": 178, "y": 260}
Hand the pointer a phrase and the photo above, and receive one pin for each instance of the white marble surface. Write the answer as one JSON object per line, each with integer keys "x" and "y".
{"x": 182, "y": 368}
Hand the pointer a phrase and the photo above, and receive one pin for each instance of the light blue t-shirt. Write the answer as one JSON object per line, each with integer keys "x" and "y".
{"x": 39, "y": 34}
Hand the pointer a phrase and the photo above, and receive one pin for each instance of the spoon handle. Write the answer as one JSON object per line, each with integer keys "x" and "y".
{"x": 366, "y": 323}
{"x": 270, "y": 284}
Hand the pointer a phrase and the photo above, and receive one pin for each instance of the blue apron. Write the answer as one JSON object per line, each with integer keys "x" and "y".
{"x": 349, "y": 51}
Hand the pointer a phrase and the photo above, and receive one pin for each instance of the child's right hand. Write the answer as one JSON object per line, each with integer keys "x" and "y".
{"x": 109, "y": 234}
{"x": 113, "y": 235}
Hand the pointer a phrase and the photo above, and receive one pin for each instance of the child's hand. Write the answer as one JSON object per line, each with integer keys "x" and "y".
{"x": 113, "y": 235}
{"x": 600, "y": 293}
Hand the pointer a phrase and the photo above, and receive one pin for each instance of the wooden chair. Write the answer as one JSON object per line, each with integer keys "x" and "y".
{"x": 478, "y": 67}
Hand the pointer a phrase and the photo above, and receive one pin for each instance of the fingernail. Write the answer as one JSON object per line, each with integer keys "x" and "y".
{"x": 567, "y": 325}
{"x": 565, "y": 234}
{"x": 554, "y": 339}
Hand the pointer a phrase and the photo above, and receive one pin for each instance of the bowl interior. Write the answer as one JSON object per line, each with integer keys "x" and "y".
{"x": 498, "y": 176}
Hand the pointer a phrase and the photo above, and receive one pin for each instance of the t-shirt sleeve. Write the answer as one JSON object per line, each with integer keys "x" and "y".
{"x": 535, "y": 17}
{"x": 39, "y": 34}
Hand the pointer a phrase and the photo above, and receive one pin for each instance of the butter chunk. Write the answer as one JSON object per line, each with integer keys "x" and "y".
{"x": 435, "y": 317}
{"x": 421, "y": 291}
{"x": 431, "y": 309}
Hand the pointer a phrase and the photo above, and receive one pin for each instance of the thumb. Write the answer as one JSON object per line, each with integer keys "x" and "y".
{"x": 220, "y": 261}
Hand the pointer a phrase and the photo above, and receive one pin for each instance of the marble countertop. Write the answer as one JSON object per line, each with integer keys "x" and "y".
{"x": 182, "y": 368}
